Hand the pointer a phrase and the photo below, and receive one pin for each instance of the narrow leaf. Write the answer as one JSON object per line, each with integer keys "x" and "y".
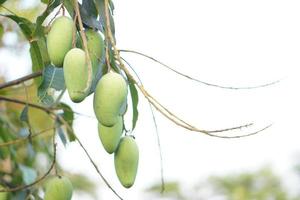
{"x": 28, "y": 174}
{"x": 39, "y": 30}
{"x": 68, "y": 115}
{"x": 61, "y": 135}
{"x": 135, "y": 100}
{"x": 53, "y": 78}
{"x": 24, "y": 114}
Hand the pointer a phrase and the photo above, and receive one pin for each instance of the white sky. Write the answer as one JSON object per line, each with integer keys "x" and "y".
{"x": 233, "y": 42}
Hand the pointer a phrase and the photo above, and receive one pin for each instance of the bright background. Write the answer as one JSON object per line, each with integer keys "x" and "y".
{"x": 232, "y": 43}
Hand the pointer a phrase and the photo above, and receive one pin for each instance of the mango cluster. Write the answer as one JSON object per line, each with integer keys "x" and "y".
{"x": 109, "y": 101}
{"x": 63, "y": 53}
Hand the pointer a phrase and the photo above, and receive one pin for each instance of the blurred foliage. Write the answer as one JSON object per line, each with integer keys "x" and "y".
{"x": 22, "y": 163}
{"x": 22, "y": 9}
{"x": 263, "y": 184}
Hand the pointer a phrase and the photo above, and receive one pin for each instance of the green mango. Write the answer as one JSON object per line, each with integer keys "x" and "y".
{"x": 59, "y": 39}
{"x": 3, "y": 195}
{"x": 126, "y": 161}
{"x": 59, "y": 188}
{"x": 110, "y": 94}
{"x": 76, "y": 74}
{"x": 110, "y": 136}
{"x": 95, "y": 45}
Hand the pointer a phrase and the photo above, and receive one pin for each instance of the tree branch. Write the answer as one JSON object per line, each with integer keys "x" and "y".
{"x": 25, "y": 138}
{"x": 47, "y": 110}
{"x": 20, "y": 80}
{"x": 163, "y": 110}
{"x": 197, "y": 80}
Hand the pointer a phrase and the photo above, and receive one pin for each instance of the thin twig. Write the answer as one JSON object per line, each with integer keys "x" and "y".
{"x": 3, "y": 98}
{"x": 22, "y": 187}
{"x": 20, "y": 80}
{"x": 56, "y": 14}
{"x": 197, "y": 80}
{"x": 74, "y": 31}
{"x": 17, "y": 141}
{"x": 156, "y": 104}
{"x": 160, "y": 151}
{"x": 62, "y": 120}
{"x": 85, "y": 47}
{"x": 156, "y": 131}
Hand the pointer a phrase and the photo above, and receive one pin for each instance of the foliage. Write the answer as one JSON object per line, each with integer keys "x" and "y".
{"x": 262, "y": 184}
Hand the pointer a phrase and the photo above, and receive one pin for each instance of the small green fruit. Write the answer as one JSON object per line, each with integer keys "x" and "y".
{"x": 58, "y": 188}
{"x": 110, "y": 94}
{"x": 126, "y": 161}
{"x": 59, "y": 39}
{"x": 3, "y": 195}
{"x": 76, "y": 74}
{"x": 110, "y": 136}
{"x": 95, "y": 45}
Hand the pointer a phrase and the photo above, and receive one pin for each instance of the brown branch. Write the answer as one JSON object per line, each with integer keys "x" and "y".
{"x": 21, "y": 80}
{"x": 85, "y": 46}
{"x": 3, "y": 98}
{"x": 197, "y": 80}
{"x": 25, "y": 138}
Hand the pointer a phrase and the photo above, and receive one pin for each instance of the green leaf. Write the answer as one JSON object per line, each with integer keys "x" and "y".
{"x": 53, "y": 77}
{"x": 2, "y": 1}
{"x": 89, "y": 15}
{"x": 25, "y": 25}
{"x": 68, "y": 116}
{"x": 24, "y": 114}
{"x": 4, "y": 152}
{"x": 135, "y": 101}
{"x": 28, "y": 174}
{"x": 39, "y": 30}
{"x": 61, "y": 135}
{"x": 37, "y": 48}
{"x": 1, "y": 31}
{"x": 101, "y": 10}
{"x": 68, "y": 4}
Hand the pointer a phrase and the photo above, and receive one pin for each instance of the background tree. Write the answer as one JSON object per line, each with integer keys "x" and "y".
{"x": 27, "y": 105}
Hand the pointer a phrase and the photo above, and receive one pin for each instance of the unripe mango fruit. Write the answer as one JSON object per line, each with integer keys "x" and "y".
{"x": 59, "y": 39}
{"x": 59, "y": 188}
{"x": 110, "y": 94}
{"x": 3, "y": 195}
{"x": 126, "y": 161}
{"x": 76, "y": 74}
{"x": 95, "y": 45}
{"x": 110, "y": 136}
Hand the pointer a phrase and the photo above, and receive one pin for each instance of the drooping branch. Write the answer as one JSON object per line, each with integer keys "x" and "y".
{"x": 21, "y": 80}
{"x": 162, "y": 179}
{"x": 62, "y": 120}
{"x": 197, "y": 80}
{"x": 163, "y": 110}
